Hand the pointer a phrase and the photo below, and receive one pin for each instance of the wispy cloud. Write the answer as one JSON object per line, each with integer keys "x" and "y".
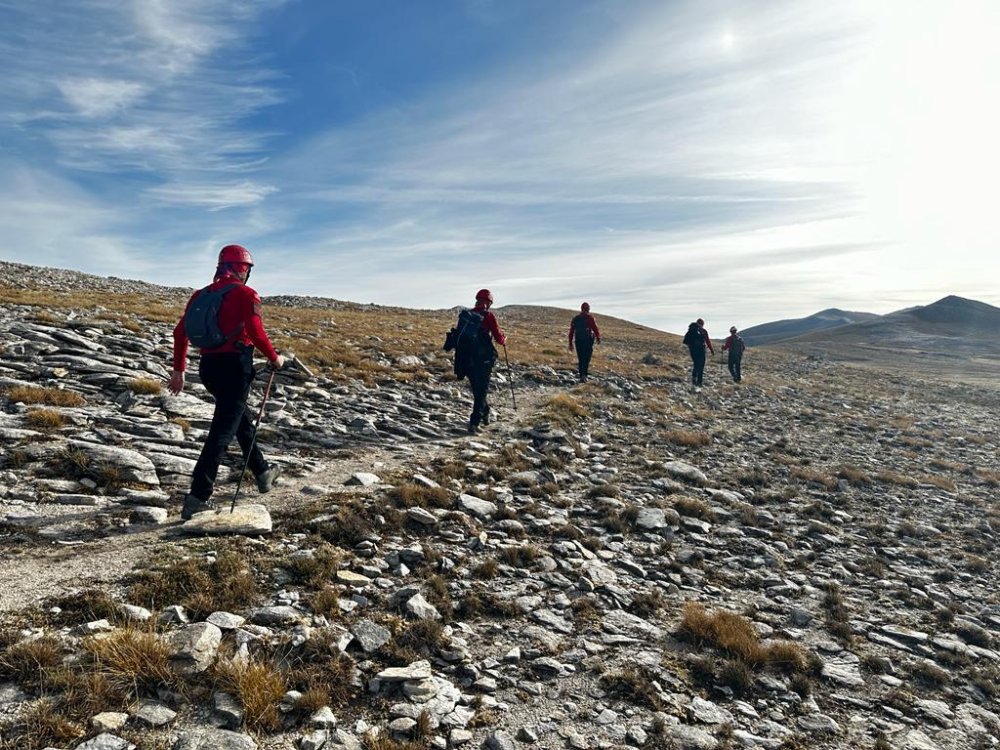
{"x": 213, "y": 197}
{"x": 657, "y": 158}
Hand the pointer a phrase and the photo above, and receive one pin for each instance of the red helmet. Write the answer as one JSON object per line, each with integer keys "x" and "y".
{"x": 585, "y": 307}
{"x": 235, "y": 254}
{"x": 484, "y": 294}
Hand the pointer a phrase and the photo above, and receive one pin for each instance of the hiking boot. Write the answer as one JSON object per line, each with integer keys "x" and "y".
{"x": 266, "y": 479}
{"x": 473, "y": 429}
{"x": 486, "y": 416}
{"x": 194, "y": 504}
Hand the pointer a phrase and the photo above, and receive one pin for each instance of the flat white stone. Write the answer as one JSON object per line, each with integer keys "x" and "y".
{"x": 246, "y": 520}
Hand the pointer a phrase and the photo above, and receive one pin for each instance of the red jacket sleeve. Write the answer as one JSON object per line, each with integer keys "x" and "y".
{"x": 257, "y": 334}
{"x": 572, "y": 326}
{"x": 181, "y": 342}
{"x": 491, "y": 325}
{"x": 708, "y": 340}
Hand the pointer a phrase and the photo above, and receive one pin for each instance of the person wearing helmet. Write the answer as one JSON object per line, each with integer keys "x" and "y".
{"x": 735, "y": 346}
{"x": 481, "y": 360}
{"x": 696, "y": 339}
{"x": 227, "y": 372}
{"x": 583, "y": 329}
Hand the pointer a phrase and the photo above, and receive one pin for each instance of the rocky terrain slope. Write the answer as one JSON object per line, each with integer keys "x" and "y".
{"x": 804, "y": 560}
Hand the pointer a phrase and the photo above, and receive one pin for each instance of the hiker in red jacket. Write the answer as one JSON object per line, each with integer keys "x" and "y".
{"x": 583, "y": 328}
{"x": 735, "y": 346}
{"x": 482, "y": 359}
{"x": 227, "y": 372}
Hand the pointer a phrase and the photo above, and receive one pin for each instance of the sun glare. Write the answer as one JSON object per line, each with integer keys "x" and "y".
{"x": 916, "y": 116}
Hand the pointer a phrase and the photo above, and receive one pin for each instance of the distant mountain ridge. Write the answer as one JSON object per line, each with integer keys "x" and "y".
{"x": 781, "y": 330}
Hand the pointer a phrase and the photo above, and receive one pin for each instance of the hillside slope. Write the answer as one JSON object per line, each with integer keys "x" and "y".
{"x": 805, "y": 560}
{"x": 781, "y": 330}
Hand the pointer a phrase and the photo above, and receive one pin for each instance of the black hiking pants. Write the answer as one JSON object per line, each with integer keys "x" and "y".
{"x": 734, "y": 366}
{"x": 584, "y": 351}
{"x": 697, "y": 364}
{"x": 479, "y": 380}
{"x": 227, "y": 377}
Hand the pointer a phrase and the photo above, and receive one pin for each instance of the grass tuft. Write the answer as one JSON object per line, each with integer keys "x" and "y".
{"x": 225, "y": 584}
{"x": 735, "y": 636}
{"x": 259, "y": 686}
{"x": 28, "y": 394}
{"x": 144, "y": 386}
{"x": 44, "y": 419}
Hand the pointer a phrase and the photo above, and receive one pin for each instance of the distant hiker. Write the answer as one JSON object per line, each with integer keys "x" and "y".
{"x": 223, "y": 320}
{"x": 475, "y": 355}
{"x": 696, "y": 339}
{"x": 735, "y": 346}
{"x": 583, "y": 328}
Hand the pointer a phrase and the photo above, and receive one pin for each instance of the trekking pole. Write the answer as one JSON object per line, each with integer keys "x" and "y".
{"x": 510, "y": 377}
{"x": 253, "y": 441}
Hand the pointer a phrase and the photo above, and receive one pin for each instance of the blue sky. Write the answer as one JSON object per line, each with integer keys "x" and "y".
{"x": 738, "y": 161}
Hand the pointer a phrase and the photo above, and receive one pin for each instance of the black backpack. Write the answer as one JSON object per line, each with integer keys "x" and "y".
{"x": 693, "y": 337}
{"x": 201, "y": 319}
{"x": 581, "y": 331}
{"x": 468, "y": 341}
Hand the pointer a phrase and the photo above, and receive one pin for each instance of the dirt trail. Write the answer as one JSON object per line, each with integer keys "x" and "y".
{"x": 37, "y": 570}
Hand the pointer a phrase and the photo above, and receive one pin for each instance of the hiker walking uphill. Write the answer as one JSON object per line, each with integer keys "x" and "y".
{"x": 583, "y": 330}
{"x": 223, "y": 321}
{"x": 475, "y": 355}
{"x": 696, "y": 339}
{"x": 735, "y": 346}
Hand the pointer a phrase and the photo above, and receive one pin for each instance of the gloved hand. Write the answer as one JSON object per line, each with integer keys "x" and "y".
{"x": 278, "y": 363}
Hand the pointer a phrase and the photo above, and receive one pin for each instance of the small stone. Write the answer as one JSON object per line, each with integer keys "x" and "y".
{"x": 421, "y": 608}
{"x": 106, "y": 741}
{"x": 251, "y": 519}
{"x": 370, "y": 636}
{"x": 418, "y": 670}
{"x": 280, "y": 615}
{"x": 323, "y": 718}
{"x": 500, "y": 740}
{"x": 108, "y": 721}
{"x": 154, "y": 714}
{"x": 350, "y": 578}
{"x": 362, "y": 479}
{"x": 314, "y": 740}
{"x": 225, "y": 620}
{"x": 193, "y": 647}
{"x": 213, "y": 739}
{"x": 818, "y": 724}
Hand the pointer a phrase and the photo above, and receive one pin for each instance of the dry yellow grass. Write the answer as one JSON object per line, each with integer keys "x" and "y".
{"x": 44, "y": 419}
{"x": 735, "y": 635}
{"x": 259, "y": 688}
{"x": 411, "y": 495}
{"x": 146, "y": 386}
{"x": 134, "y": 661}
{"x": 27, "y": 394}
{"x": 687, "y": 438}
{"x": 363, "y": 342}
{"x": 894, "y": 477}
{"x": 853, "y": 475}
{"x": 812, "y": 475}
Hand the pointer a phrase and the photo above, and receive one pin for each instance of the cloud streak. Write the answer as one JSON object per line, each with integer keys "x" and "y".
{"x": 655, "y": 158}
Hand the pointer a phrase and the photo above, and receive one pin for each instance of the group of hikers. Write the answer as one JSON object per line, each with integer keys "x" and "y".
{"x": 697, "y": 340}
{"x": 224, "y": 321}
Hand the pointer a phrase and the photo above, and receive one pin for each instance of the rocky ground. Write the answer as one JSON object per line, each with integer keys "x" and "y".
{"x": 805, "y": 560}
